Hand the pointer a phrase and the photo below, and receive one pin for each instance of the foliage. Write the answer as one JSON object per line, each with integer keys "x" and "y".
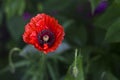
{"x": 95, "y": 35}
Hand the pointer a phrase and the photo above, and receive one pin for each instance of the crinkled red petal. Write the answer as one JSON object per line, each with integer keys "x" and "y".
{"x": 39, "y": 23}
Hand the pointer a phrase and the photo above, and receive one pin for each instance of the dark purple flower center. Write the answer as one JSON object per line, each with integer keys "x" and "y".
{"x": 46, "y": 37}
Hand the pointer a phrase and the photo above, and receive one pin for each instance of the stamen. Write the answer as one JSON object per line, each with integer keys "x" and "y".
{"x": 45, "y": 38}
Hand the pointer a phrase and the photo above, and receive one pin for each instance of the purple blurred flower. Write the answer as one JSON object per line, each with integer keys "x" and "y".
{"x": 101, "y": 7}
{"x": 26, "y": 16}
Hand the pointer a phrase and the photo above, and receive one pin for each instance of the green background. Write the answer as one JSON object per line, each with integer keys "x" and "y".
{"x": 95, "y": 35}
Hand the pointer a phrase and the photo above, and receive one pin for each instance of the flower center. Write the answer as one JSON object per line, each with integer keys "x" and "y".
{"x": 46, "y": 37}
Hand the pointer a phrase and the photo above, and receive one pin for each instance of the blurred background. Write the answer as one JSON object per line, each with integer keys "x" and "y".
{"x": 91, "y": 26}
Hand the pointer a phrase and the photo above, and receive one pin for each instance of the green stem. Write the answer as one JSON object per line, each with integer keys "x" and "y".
{"x": 42, "y": 66}
{"x": 76, "y": 51}
{"x": 10, "y": 59}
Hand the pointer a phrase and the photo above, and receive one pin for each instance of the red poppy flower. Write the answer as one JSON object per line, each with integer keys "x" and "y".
{"x": 44, "y": 33}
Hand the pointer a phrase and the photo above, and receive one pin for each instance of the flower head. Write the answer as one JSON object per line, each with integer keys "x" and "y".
{"x": 44, "y": 33}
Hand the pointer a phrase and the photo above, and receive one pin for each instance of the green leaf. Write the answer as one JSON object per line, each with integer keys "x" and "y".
{"x": 28, "y": 51}
{"x": 37, "y": 68}
{"x": 94, "y": 4}
{"x": 40, "y": 7}
{"x": 108, "y": 76}
{"x": 56, "y": 5}
{"x": 51, "y": 71}
{"x": 110, "y": 15}
{"x": 21, "y": 7}
{"x": 78, "y": 32}
{"x": 99, "y": 35}
{"x": 113, "y": 33}
{"x": 17, "y": 65}
{"x": 67, "y": 23}
{"x": 117, "y": 1}
{"x": 14, "y": 7}
{"x": 76, "y": 72}
{"x": 16, "y": 27}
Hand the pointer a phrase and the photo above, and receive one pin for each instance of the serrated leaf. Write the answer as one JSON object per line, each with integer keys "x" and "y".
{"x": 113, "y": 33}
{"x": 80, "y": 74}
{"x": 110, "y": 15}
